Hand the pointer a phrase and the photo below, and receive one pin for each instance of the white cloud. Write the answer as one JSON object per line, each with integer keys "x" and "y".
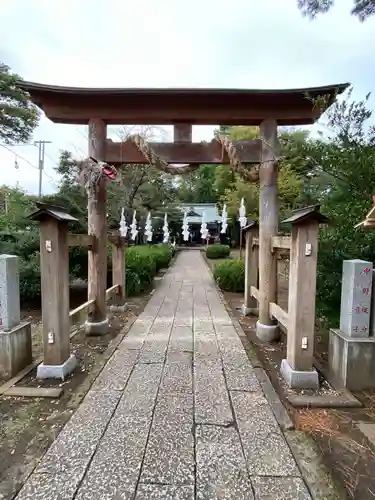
{"x": 200, "y": 43}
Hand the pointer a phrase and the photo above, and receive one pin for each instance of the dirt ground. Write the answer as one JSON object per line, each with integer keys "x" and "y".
{"x": 29, "y": 425}
{"x": 346, "y": 451}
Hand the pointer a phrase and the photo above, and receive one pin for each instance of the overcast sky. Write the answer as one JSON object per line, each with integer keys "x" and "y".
{"x": 171, "y": 43}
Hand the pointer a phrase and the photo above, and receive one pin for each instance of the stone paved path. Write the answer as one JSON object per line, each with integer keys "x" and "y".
{"x": 176, "y": 414}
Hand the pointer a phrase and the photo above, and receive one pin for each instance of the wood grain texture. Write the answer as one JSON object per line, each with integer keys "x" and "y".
{"x": 97, "y": 226}
{"x": 268, "y": 219}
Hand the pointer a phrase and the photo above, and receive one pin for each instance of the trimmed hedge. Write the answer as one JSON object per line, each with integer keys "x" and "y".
{"x": 230, "y": 275}
{"x": 142, "y": 263}
{"x": 217, "y": 251}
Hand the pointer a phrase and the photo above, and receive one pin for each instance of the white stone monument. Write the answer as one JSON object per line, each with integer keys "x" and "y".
{"x": 15, "y": 337}
{"x": 352, "y": 347}
{"x": 356, "y": 293}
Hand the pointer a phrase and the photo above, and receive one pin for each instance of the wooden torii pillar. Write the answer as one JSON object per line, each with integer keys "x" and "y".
{"x": 97, "y": 323}
{"x": 266, "y": 327}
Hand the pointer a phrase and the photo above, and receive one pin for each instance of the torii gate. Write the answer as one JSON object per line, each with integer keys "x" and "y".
{"x": 255, "y": 159}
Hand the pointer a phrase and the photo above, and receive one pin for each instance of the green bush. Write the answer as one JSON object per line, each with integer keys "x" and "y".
{"x": 217, "y": 251}
{"x": 230, "y": 275}
{"x": 26, "y": 246}
{"x": 30, "y": 286}
{"x": 142, "y": 263}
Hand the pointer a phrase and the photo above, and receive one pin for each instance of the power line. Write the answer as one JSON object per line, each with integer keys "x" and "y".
{"x": 19, "y": 156}
{"x": 41, "y": 149}
{"x": 31, "y": 164}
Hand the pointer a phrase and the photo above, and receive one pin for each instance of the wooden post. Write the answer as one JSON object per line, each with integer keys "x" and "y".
{"x": 267, "y": 329}
{"x": 54, "y": 266}
{"x": 297, "y": 369}
{"x": 118, "y": 268}
{"x": 97, "y": 323}
{"x": 118, "y": 273}
{"x": 182, "y": 132}
{"x": 250, "y": 305}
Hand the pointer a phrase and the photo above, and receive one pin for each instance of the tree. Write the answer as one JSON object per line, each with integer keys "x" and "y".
{"x": 15, "y": 206}
{"x": 363, "y": 9}
{"x": 231, "y": 187}
{"x": 346, "y": 160}
{"x": 198, "y": 186}
{"x": 138, "y": 187}
{"x": 18, "y": 115}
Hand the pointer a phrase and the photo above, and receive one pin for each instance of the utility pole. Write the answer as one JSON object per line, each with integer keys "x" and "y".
{"x": 41, "y": 148}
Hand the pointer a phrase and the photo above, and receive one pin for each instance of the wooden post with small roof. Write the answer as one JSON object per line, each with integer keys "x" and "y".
{"x": 54, "y": 268}
{"x": 297, "y": 369}
{"x": 250, "y": 305}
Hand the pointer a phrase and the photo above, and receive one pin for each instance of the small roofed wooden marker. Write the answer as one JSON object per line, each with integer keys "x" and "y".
{"x": 54, "y": 266}
{"x": 250, "y": 305}
{"x": 297, "y": 369}
{"x": 118, "y": 271}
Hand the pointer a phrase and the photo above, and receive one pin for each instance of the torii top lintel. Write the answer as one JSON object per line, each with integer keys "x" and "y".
{"x": 141, "y": 106}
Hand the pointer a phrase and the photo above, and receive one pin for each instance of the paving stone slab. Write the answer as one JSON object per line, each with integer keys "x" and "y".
{"x": 169, "y": 456}
{"x": 145, "y": 379}
{"x": 153, "y": 352}
{"x": 209, "y": 374}
{"x": 232, "y": 353}
{"x": 212, "y": 408}
{"x": 182, "y": 332}
{"x": 222, "y": 320}
{"x": 280, "y": 488}
{"x": 204, "y": 326}
{"x": 221, "y": 466}
{"x": 63, "y": 466}
{"x": 175, "y": 355}
{"x": 181, "y": 321}
{"x": 116, "y": 465}
{"x": 225, "y": 331}
{"x": 176, "y": 404}
{"x": 266, "y": 450}
{"x": 77, "y": 441}
{"x": 241, "y": 377}
{"x": 177, "y": 377}
{"x": 181, "y": 339}
{"x": 115, "y": 468}
{"x": 60, "y": 486}
{"x": 164, "y": 492}
{"x": 136, "y": 336}
{"x": 117, "y": 371}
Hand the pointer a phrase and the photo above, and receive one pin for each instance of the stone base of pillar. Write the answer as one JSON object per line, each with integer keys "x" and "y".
{"x": 267, "y": 333}
{"x": 351, "y": 360}
{"x": 15, "y": 350}
{"x": 299, "y": 379}
{"x": 97, "y": 327}
{"x": 118, "y": 308}
{"x": 248, "y": 311}
{"x": 57, "y": 371}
